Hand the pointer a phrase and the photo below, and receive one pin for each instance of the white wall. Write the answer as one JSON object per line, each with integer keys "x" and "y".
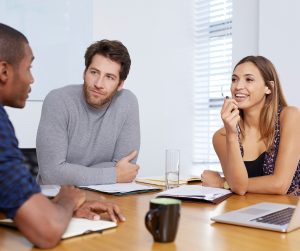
{"x": 26, "y": 122}
{"x": 244, "y": 29}
{"x": 59, "y": 32}
{"x": 271, "y": 29}
{"x": 279, "y": 40}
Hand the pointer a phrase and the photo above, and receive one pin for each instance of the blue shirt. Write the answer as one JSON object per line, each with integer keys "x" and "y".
{"x": 16, "y": 182}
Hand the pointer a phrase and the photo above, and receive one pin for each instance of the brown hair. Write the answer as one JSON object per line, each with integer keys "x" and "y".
{"x": 113, "y": 50}
{"x": 269, "y": 112}
{"x": 11, "y": 45}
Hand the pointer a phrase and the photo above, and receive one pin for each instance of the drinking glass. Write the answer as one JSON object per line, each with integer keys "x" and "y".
{"x": 172, "y": 168}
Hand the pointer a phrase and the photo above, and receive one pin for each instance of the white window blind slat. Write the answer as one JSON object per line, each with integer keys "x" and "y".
{"x": 212, "y": 73}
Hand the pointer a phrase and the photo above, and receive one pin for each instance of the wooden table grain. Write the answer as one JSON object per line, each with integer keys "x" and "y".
{"x": 196, "y": 231}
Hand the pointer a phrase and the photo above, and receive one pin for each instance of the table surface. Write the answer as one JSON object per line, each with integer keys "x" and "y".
{"x": 196, "y": 231}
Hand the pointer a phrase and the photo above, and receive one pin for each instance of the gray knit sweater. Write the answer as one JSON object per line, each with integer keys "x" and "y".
{"x": 80, "y": 145}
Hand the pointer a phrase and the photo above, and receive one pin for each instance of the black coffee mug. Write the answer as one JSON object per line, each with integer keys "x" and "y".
{"x": 162, "y": 219}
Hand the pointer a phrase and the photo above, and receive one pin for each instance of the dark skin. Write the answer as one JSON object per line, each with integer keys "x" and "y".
{"x": 43, "y": 221}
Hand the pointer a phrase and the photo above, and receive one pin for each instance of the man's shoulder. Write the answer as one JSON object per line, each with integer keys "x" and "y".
{"x": 6, "y": 128}
{"x": 2, "y": 112}
{"x": 126, "y": 96}
{"x": 64, "y": 93}
{"x": 66, "y": 90}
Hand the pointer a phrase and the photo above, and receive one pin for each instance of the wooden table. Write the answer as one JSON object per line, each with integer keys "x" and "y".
{"x": 196, "y": 231}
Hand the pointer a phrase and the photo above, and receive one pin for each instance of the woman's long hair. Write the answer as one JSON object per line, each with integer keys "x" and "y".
{"x": 268, "y": 115}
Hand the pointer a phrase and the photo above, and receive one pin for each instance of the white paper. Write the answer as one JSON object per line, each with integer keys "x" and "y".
{"x": 120, "y": 187}
{"x": 78, "y": 226}
{"x": 50, "y": 190}
{"x": 196, "y": 191}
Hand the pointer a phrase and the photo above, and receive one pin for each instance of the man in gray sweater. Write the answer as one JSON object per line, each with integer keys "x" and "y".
{"x": 90, "y": 134}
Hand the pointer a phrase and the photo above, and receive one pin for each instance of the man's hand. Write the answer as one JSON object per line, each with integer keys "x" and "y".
{"x": 212, "y": 179}
{"x": 126, "y": 171}
{"x": 92, "y": 209}
{"x": 70, "y": 193}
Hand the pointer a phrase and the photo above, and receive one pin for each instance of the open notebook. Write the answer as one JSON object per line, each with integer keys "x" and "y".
{"x": 197, "y": 193}
{"x": 121, "y": 188}
{"x": 77, "y": 226}
{"x": 115, "y": 189}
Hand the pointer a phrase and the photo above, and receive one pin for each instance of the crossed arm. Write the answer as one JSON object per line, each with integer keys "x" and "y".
{"x": 53, "y": 147}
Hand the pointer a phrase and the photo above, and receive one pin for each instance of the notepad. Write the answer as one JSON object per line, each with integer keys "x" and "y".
{"x": 121, "y": 188}
{"x": 77, "y": 226}
{"x": 160, "y": 180}
{"x": 197, "y": 193}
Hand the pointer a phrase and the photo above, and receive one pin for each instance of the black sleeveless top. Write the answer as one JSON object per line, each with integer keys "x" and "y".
{"x": 270, "y": 159}
{"x": 255, "y": 167}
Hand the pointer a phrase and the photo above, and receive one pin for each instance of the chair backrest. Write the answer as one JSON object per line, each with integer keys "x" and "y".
{"x": 30, "y": 160}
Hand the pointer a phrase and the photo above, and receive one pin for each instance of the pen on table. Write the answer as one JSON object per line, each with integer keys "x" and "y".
{"x": 237, "y": 125}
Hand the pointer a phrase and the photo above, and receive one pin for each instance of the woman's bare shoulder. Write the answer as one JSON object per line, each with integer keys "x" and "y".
{"x": 290, "y": 114}
{"x": 218, "y": 135}
{"x": 221, "y": 132}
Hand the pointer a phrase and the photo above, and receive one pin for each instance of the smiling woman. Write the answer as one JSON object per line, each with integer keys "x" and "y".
{"x": 256, "y": 158}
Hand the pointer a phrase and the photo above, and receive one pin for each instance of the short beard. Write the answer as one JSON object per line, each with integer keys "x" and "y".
{"x": 102, "y": 102}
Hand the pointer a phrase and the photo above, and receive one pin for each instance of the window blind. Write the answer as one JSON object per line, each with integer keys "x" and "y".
{"x": 212, "y": 75}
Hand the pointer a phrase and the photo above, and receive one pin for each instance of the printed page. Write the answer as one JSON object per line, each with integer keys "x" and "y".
{"x": 196, "y": 191}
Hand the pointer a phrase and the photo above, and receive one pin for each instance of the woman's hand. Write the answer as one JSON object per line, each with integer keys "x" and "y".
{"x": 230, "y": 115}
{"x": 212, "y": 179}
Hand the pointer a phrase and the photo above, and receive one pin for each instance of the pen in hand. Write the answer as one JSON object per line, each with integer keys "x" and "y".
{"x": 237, "y": 125}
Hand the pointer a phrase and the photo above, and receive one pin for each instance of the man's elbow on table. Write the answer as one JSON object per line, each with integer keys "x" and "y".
{"x": 46, "y": 235}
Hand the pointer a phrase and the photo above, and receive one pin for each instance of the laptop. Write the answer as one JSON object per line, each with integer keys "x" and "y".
{"x": 269, "y": 216}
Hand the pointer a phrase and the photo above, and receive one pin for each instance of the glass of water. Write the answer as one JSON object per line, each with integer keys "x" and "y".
{"x": 172, "y": 168}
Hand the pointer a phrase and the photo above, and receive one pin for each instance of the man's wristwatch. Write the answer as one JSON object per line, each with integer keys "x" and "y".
{"x": 225, "y": 185}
